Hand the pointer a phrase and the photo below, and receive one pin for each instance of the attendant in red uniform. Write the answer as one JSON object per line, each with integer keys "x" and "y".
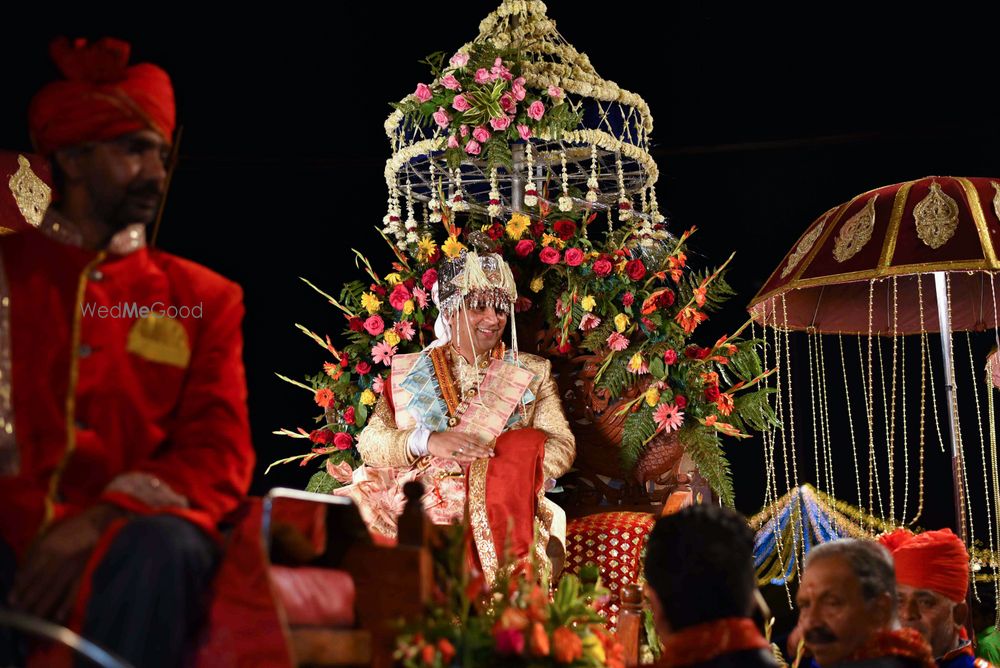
{"x": 124, "y": 437}
{"x": 932, "y": 581}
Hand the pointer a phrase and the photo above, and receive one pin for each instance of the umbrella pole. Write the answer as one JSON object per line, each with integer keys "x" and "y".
{"x": 944, "y": 321}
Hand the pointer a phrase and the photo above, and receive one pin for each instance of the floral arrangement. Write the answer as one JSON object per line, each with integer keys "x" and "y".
{"x": 480, "y": 102}
{"x": 515, "y": 623}
{"x": 623, "y": 294}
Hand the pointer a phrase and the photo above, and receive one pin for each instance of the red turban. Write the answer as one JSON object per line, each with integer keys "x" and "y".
{"x": 935, "y": 560}
{"x": 101, "y": 97}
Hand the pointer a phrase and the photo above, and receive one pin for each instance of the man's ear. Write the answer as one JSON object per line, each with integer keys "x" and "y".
{"x": 960, "y": 613}
{"x": 69, "y": 161}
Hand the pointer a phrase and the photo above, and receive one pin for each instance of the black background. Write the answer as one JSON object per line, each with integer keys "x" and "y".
{"x": 763, "y": 120}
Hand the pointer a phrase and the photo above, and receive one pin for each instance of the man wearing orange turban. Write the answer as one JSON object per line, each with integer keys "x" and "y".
{"x": 932, "y": 581}
{"x": 124, "y": 438}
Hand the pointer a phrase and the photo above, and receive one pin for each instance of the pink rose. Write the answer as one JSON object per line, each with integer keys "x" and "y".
{"x": 524, "y": 131}
{"x": 574, "y": 257}
{"x": 343, "y": 441}
{"x": 536, "y": 110}
{"x": 460, "y": 103}
{"x": 482, "y": 75}
{"x": 549, "y": 255}
{"x": 555, "y": 92}
{"x": 399, "y": 296}
{"x": 481, "y": 135}
{"x": 423, "y": 92}
{"x": 450, "y": 82}
{"x": 603, "y": 267}
{"x": 472, "y": 148}
{"x": 374, "y": 325}
{"x": 441, "y": 117}
{"x": 499, "y": 70}
{"x": 464, "y": 130}
{"x": 453, "y": 142}
{"x": 459, "y": 60}
{"x": 507, "y": 103}
{"x": 501, "y": 123}
{"x": 524, "y": 247}
{"x": 429, "y": 279}
{"x": 518, "y": 89}
{"x": 669, "y": 357}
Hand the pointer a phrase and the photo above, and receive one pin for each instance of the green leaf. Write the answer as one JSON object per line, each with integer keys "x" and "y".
{"x": 360, "y": 414}
{"x": 755, "y": 409}
{"x": 322, "y": 482}
{"x": 639, "y": 428}
{"x": 658, "y": 368}
{"x": 705, "y": 449}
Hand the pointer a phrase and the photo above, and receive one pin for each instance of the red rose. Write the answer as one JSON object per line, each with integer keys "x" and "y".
{"x": 537, "y": 228}
{"x": 524, "y": 247}
{"x": 712, "y": 392}
{"x": 343, "y": 441}
{"x": 435, "y": 256}
{"x": 648, "y": 323}
{"x": 374, "y": 325}
{"x": 628, "y": 299}
{"x": 680, "y": 401}
{"x": 696, "y": 352}
{"x": 321, "y": 436}
{"x": 666, "y": 299}
{"x": 670, "y": 357}
{"x": 356, "y": 324}
{"x": 399, "y": 296}
{"x": 363, "y": 368}
{"x": 564, "y": 229}
{"x": 429, "y": 279}
{"x": 549, "y": 255}
{"x": 495, "y": 231}
{"x": 574, "y": 257}
{"x": 409, "y": 283}
{"x": 603, "y": 267}
{"x": 377, "y": 289}
{"x": 349, "y": 415}
{"x": 635, "y": 269}
{"x": 344, "y": 362}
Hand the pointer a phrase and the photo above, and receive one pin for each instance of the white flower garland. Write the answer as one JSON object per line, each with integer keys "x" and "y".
{"x": 592, "y": 183}
{"x": 565, "y": 201}
{"x": 624, "y": 203}
{"x": 530, "y": 194}
{"x": 494, "y": 206}
{"x": 434, "y": 205}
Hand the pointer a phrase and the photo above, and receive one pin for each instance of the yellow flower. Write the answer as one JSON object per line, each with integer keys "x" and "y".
{"x": 635, "y": 364}
{"x": 593, "y": 648}
{"x": 551, "y": 240}
{"x": 537, "y": 283}
{"x": 652, "y": 396}
{"x": 391, "y": 337}
{"x": 408, "y": 307}
{"x": 368, "y": 398}
{"x": 394, "y": 278}
{"x": 452, "y": 247}
{"x": 425, "y": 248}
{"x": 620, "y": 267}
{"x": 621, "y": 322}
{"x": 517, "y": 224}
{"x": 588, "y": 303}
{"x": 370, "y": 302}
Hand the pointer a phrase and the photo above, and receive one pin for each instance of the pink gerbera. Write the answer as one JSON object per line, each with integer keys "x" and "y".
{"x": 668, "y": 417}
{"x": 405, "y": 329}
{"x": 383, "y": 352}
{"x": 617, "y": 342}
{"x": 589, "y": 321}
{"x": 377, "y": 385}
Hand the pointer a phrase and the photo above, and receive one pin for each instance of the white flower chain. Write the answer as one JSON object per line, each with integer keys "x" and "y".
{"x": 624, "y": 203}
{"x": 565, "y": 201}
{"x": 494, "y": 206}
{"x": 592, "y": 181}
{"x": 530, "y": 194}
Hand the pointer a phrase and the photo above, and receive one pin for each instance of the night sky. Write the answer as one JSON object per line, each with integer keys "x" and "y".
{"x": 762, "y": 122}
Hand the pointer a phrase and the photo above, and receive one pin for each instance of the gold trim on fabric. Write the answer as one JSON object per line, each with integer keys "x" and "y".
{"x": 74, "y": 376}
{"x": 31, "y": 194}
{"x": 159, "y": 339}
{"x": 898, "y": 206}
{"x": 10, "y": 458}
{"x": 805, "y": 245}
{"x": 439, "y": 357}
{"x": 855, "y": 233}
{"x": 936, "y": 217}
{"x": 867, "y": 274}
{"x": 996, "y": 199}
{"x": 980, "y": 218}
{"x": 480, "y": 520}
